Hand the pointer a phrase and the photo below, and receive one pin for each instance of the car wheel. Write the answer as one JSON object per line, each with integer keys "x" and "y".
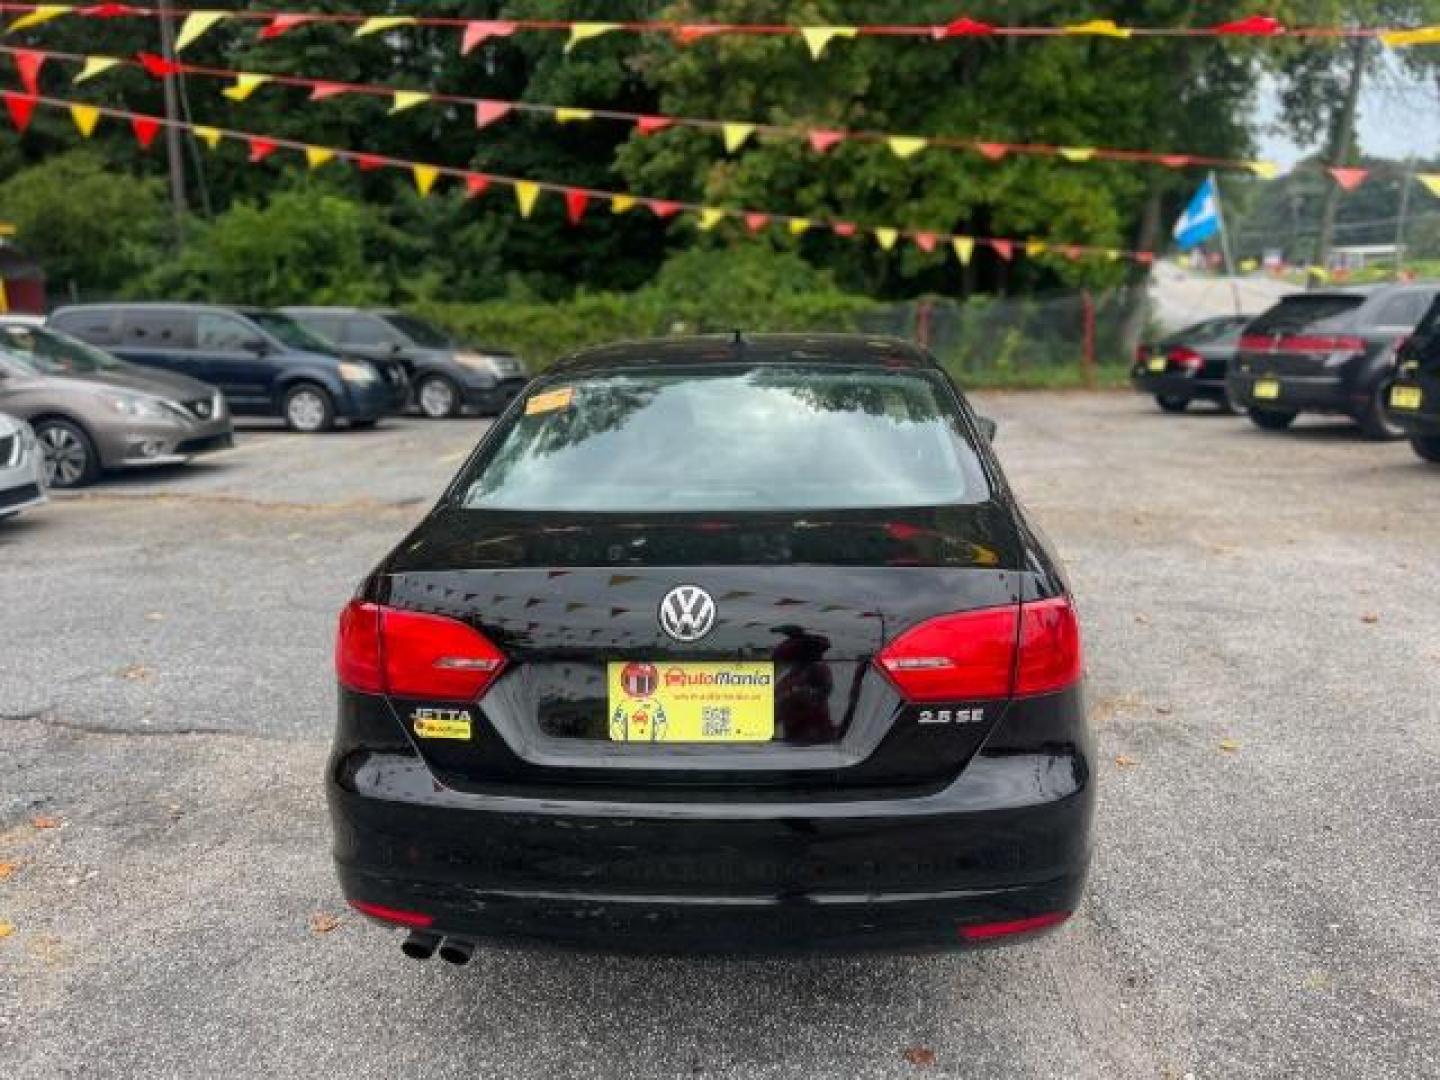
{"x": 308, "y": 409}
{"x": 1271, "y": 420}
{"x": 1428, "y": 447}
{"x": 71, "y": 459}
{"x": 438, "y": 398}
{"x": 1171, "y": 403}
{"x": 1374, "y": 423}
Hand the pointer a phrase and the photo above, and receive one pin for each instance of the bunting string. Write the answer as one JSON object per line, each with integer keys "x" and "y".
{"x": 527, "y": 193}
{"x": 735, "y": 133}
{"x": 817, "y": 38}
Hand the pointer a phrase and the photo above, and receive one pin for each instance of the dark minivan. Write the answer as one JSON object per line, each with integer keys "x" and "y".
{"x": 447, "y": 377}
{"x": 1414, "y": 399}
{"x": 1327, "y": 352}
{"x": 264, "y": 362}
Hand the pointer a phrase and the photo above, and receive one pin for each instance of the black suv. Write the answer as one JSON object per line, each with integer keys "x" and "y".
{"x": 1414, "y": 399}
{"x": 446, "y": 376}
{"x": 1328, "y": 352}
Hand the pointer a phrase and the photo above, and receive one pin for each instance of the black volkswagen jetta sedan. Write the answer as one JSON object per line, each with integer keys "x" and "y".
{"x": 1413, "y": 404}
{"x": 718, "y": 644}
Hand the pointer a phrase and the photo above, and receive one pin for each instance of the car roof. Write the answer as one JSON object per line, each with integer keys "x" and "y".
{"x": 160, "y": 305}
{"x": 857, "y": 349}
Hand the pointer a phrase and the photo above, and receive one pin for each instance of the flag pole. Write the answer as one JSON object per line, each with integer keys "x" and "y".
{"x": 1225, "y": 245}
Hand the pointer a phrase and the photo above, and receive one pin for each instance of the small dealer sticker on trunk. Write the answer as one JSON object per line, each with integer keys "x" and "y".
{"x": 692, "y": 703}
{"x": 441, "y": 723}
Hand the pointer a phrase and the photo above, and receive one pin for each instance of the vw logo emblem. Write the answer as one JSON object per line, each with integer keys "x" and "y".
{"x": 687, "y": 613}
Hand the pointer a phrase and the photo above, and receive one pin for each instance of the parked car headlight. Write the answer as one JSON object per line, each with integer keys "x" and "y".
{"x": 350, "y": 371}
{"x": 475, "y": 362}
{"x": 142, "y": 408}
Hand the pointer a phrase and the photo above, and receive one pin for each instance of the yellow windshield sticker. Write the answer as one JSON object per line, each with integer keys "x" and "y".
{"x": 553, "y": 401}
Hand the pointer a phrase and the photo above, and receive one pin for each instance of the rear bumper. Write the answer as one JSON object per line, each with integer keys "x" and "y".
{"x": 1164, "y": 384}
{"x": 1423, "y": 422}
{"x": 1309, "y": 393}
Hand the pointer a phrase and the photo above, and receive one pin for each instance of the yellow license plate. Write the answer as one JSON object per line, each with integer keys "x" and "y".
{"x": 1406, "y": 397}
{"x": 691, "y": 703}
{"x": 1267, "y": 390}
{"x": 1157, "y": 363}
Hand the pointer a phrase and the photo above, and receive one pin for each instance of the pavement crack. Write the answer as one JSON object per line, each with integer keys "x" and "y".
{"x": 47, "y": 717}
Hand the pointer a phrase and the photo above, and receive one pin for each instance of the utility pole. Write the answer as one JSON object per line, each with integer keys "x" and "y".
{"x": 174, "y": 150}
{"x": 1342, "y": 146}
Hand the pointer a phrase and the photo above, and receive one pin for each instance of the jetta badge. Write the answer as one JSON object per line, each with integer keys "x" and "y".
{"x": 687, "y": 613}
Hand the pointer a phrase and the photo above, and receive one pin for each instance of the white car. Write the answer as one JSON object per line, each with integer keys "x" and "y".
{"x": 22, "y": 467}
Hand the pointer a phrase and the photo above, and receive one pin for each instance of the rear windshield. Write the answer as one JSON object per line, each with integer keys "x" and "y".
{"x": 760, "y": 439}
{"x": 1314, "y": 312}
{"x": 1208, "y": 333}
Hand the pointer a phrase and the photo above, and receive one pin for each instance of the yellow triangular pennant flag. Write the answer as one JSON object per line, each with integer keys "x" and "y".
{"x": 906, "y": 147}
{"x": 245, "y": 85}
{"x": 565, "y": 115}
{"x": 1249, "y": 266}
{"x": 799, "y": 225}
{"x": 622, "y": 204}
{"x": 964, "y": 248}
{"x": 407, "y": 99}
{"x": 887, "y": 238}
{"x": 95, "y": 65}
{"x": 208, "y": 135}
{"x": 1099, "y": 28}
{"x": 380, "y": 23}
{"x": 1036, "y": 247}
{"x": 819, "y": 37}
{"x": 316, "y": 156}
{"x": 1267, "y": 170}
{"x": 425, "y": 177}
{"x": 709, "y": 218}
{"x": 1077, "y": 153}
{"x": 736, "y": 135}
{"x": 42, "y": 13}
{"x": 525, "y": 195}
{"x": 1424, "y": 35}
{"x": 1112, "y": 255}
{"x": 196, "y": 24}
{"x": 85, "y": 117}
{"x": 584, "y": 31}
{"x": 1431, "y": 182}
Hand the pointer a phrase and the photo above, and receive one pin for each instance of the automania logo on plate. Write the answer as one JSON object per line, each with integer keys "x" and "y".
{"x": 680, "y": 677}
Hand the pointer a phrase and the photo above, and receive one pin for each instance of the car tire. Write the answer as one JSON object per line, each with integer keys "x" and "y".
{"x": 363, "y": 425}
{"x": 437, "y": 397}
{"x": 308, "y": 409}
{"x": 1172, "y": 404}
{"x": 1427, "y": 447}
{"x": 71, "y": 460}
{"x": 1375, "y": 425}
{"x": 1271, "y": 420}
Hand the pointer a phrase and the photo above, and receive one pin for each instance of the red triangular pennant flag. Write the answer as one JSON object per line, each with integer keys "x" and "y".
{"x": 822, "y": 140}
{"x": 1073, "y": 253}
{"x": 322, "y": 90}
{"x": 1004, "y": 248}
{"x": 1175, "y": 161}
{"x": 21, "y": 108}
{"x": 687, "y": 35}
{"x": 28, "y": 63}
{"x": 282, "y": 24}
{"x": 963, "y": 28}
{"x": 925, "y": 241}
{"x": 476, "y": 184}
{"x": 157, "y": 66}
{"x": 260, "y": 149}
{"x": 756, "y": 222}
{"x": 1144, "y": 258}
{"x": 1349, "y": 179}
{"x": 649, "y": 125}
{"x": 992, "y": 150}
{"x": 368, "y": 162}
{"x": 487, "y": 112}
{"x": 477, "y": 33}
{"x": 1253, "y": 26}
{"x": 109, "y": 11}
{"x": 664, "y": 208}
{"x": 845, "y": 228}
{"x": 145, "y": 129}
{"x": 575, "y": 203}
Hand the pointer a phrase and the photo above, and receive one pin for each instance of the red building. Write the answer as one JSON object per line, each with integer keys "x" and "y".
{"x": 22, "y": 283}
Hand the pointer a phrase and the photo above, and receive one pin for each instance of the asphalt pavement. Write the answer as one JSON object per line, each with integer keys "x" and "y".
{"x": 1263, "y": 634}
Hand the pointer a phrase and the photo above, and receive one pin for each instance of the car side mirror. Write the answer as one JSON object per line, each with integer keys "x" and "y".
{"x": 989, "y": 428}
{"x": 258, "y": 346}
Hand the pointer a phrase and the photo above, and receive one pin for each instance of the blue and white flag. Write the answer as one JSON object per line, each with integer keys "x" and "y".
{"x": 1201, "y": 219}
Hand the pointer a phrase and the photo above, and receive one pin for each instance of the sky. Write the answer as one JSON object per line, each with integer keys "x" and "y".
{"x": 1399, "y": 116}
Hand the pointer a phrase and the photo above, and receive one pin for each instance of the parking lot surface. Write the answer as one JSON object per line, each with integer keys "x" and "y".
{"x": 1263, "y": 634}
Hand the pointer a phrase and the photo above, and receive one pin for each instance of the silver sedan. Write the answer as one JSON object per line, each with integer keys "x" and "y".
{"x": 22, "y": 472}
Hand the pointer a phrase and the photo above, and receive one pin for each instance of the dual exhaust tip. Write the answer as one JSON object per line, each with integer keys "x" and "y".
{"x": 419, "y": 945}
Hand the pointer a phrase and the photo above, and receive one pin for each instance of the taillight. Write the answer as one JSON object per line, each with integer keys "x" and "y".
{"x": 416, "y": 919}
{"x": 991, "y": 931}
{"x": 383, "y": 650}
{"x": 1322, "y": 343}
{"x": 1186, "y": 359}
{"x": 991, "y": 653}
{"x": 1257, "y": 343}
